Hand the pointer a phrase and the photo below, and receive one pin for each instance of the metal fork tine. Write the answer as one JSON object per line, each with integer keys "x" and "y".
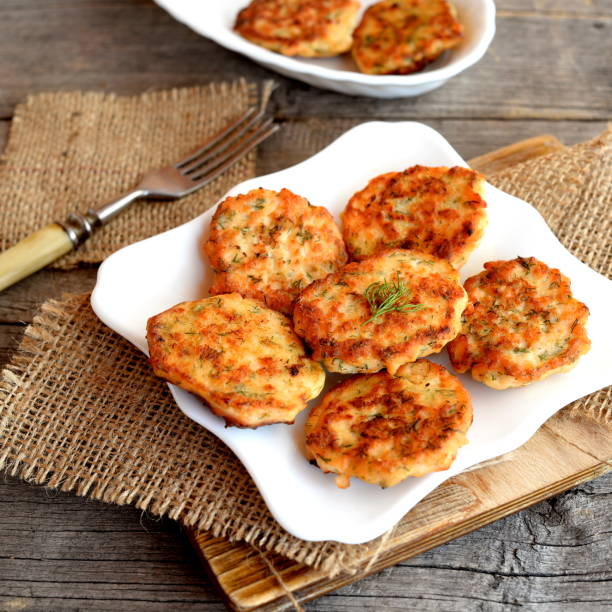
{"x": 217, "y": 138}
{"x": 236, "y": 147}
{"x": 222, "y": 145}
{"x": 205, "y": 175}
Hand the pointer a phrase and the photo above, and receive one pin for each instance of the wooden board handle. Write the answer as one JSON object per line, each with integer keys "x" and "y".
{"x": 33, "y": 253}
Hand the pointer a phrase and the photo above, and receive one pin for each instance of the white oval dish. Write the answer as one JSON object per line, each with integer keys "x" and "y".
{"x": 150, "y": 276}
{"x": 215, "y": 20}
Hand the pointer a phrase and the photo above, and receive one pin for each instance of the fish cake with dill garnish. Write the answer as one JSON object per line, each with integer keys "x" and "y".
{"x": 381, "y": 312}
{"x": 521, "y": 325}
{"x": 240, "y": 357}
{"x": 438, "y": 210}
{"x": 403, "y": 36}
{"x": 382, "y": 428}
{"x": 308, "y": 28}
{"x": 270, "y": 245}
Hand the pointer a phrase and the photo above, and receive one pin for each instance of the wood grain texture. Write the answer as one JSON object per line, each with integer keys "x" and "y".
{"x": 544, "y": 63}
{"x": 300, "y": 138}
{"x": 548, "y": 71}
{"x": 20, "y": 302}
{"x": 554, "y": 556}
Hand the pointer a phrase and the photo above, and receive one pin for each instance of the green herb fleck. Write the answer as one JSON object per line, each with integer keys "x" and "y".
{"x": 385, "y": 296}
{"x": 304, "y": 235}
{"x": 525, "y": 263}
{"x": 241, "y": 389}
{"x": 224, "y": 217}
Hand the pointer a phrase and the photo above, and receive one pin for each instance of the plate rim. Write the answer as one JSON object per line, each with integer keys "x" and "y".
{"x": 399, "y": 508}
{"x": 227, "y": 39}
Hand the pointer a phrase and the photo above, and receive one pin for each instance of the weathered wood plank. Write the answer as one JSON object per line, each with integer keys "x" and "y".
{"x": 549, "y": 557}
{"x": 21, "y": 301}
{"x": 559, "y": 69}
{"x": 4, "y": 130}
{"x": 561, "y": 9}
{"x": 10, "y": 336}
{"x": 56, "y": 547}
{"x": 299, "y": 139}
{"x": 555, "y": 552}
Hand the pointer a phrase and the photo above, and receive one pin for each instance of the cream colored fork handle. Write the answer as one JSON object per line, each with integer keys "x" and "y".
{"x": 33, "y": 253}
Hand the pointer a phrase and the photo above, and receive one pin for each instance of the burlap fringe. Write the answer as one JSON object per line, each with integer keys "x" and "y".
{"x": 80, "y": 410}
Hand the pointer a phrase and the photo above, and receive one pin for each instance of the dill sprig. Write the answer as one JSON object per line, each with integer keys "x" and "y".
{"x": 388, "y": 296}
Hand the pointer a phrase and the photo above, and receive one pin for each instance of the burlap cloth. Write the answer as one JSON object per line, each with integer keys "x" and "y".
{"x": 80, "y": 410}
{"x": 73, "y": 151}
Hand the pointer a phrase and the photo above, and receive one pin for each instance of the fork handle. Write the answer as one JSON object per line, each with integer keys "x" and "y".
{"x": 33, "y": 253}
{"x": 51, "y": 242}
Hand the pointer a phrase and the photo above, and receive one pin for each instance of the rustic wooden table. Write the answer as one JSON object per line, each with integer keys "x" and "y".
{"x": 548, "y": 70}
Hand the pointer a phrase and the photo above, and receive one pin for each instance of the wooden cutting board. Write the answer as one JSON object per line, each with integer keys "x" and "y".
{"x": 562, "y": 454}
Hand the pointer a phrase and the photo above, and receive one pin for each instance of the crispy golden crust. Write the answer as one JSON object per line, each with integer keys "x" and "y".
{"x": 332, "y": 314}
{"x": 437, "y": 210}
{"x": 521, "y": 325}
{"x": 309, "y": 28}
{"x": 269, "y": 246}
{"x": 382, "y": 428}
{"x": 403, "y": 36}
{"x": 240, "y": 357}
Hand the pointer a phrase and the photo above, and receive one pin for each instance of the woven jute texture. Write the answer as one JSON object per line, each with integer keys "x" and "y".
{"x": 80, "y": 410}
{"x": 68, "y": 152}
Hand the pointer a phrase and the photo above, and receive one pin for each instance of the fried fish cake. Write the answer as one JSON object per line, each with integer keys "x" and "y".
{"x": 521, "y": 325}
{"x": 382, "y": 428}
{"x": 240, "y": 357}
{"x": 309, "y": 28}
{"x": 438, "y": 210}
{"x": 403, "y": 36}
{"x": 381, "y": 312}
{"x": 270, "y": 245}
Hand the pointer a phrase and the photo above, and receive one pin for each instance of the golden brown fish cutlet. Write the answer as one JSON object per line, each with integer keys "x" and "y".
{"x": 521, "y": 325}
{"x": 403, "y": 36}
{"x": 240, "y": 357}
{"x": 337, "y": 321}
{"x": 382, "y": 428}
{"x": 308, "y": 28}
{"x": 437, "y": 210}
{"x": 270, "y": 245}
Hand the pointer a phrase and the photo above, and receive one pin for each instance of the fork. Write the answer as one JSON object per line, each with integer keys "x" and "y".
{"x": 171, "y": 182}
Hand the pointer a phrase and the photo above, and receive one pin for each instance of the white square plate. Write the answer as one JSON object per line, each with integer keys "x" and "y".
{"x": 147, "y": 277}
{"x": 215, "y": 20}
